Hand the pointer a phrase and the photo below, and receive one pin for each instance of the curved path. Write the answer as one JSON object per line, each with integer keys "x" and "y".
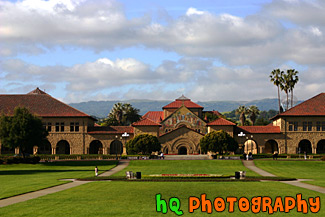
{"x": 250, "y": 165}
{"x": 32, "y": 195}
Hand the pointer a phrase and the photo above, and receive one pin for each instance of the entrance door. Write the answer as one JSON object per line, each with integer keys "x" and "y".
{"x": 182, "y": 151}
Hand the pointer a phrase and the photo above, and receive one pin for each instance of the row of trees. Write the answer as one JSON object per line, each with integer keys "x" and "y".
{"x": 252, "y": 111}
{"x": 286, "y": 82}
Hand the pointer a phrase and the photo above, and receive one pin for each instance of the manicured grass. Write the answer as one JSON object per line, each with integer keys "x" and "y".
{"x": 221, "y": 167}
{"x": 21, "y": 178}
{"x": 296, "y": 169}
{"x": 138, "y": 199}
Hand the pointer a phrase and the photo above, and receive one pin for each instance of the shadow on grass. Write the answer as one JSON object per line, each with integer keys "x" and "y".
{"x": 80, "y": 163}
{"x": 26, "y": 172}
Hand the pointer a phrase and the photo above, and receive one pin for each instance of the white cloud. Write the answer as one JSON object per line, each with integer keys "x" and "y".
{"x": 102, "y": 25}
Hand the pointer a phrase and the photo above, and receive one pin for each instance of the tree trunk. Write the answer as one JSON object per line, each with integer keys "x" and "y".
{"x": 279, "y": 99}
{"x": 291, "y": 98}
{"x": 287, "y": 100}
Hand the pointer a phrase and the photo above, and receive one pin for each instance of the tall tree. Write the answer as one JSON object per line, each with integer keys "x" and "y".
{"x": 276, "y": 79}
{"x": 293, "y": 80}
{"x": 22, "y": 130}
{"x": 285, "y": 86}
{"x": 242, "y": 111}
{"x": 122, "y": 115}
{"x": 253, "y": 112}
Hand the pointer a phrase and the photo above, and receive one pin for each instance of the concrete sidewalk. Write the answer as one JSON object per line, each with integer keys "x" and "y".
{"x": 250, "y": 165}
{"x": 32, "y": 195}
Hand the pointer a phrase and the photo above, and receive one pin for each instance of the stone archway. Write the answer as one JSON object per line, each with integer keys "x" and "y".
{"x": 45, "y": 148}
{"x": 304, "y": 146}
{"x": 321, "y": 147}
{"x": 116, "y": 147}
{"x": 271, "y": 146}
{"x": 182, "y": 150}
{"x": 165, "y": 150}
{"x": 95, "y": 147}
{"x": 62, "y": 147}
{"x": 250, "y": 146}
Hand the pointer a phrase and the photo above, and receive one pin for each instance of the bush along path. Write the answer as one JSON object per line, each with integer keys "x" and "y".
{"x": 250, "y": 165}
{"x": 32, "y": 195}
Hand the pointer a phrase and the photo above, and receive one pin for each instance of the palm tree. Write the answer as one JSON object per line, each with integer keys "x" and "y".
{"x": 285, "y": 86}
{"x": 276, "y": 79}
{"x": 242, "y": 111}
{"x": 117, "y": 112}
{"x": 123, "y": 115}
{"x": 293, "y": 77}
{"x": 253, "y": 111}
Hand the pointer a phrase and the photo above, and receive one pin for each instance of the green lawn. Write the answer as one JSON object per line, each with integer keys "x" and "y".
{"x": 138, "y": 199}
{"x": 21, "y": 178}
{"x": 222, "y": 167}
{"x": 296, "y": 169}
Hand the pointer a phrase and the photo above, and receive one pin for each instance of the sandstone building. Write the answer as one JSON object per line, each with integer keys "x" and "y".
{"x": 179, "y": 127}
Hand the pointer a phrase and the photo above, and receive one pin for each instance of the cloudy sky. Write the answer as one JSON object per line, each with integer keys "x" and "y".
{"x": 82, "y": 50}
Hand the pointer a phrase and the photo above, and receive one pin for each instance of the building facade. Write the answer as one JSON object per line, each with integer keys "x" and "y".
{"x": 179, "y": 127}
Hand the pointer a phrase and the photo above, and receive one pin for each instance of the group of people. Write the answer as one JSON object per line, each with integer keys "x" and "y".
{"x": 248, "y": 156}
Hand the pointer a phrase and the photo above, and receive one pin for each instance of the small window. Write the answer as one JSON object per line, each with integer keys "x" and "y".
{"x": 310, "y": 125}
{"x": 71, "y": 126}
{"x": 307, "y": 126}
{"x": 62, "y": 126}
{"x": 323, "y": 126}
{"x": 76, "y": 127}
{"x": 293, "y": 126}
{"x": 57, "y": 127}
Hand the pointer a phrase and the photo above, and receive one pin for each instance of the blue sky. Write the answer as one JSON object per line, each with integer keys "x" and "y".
{"x": 82, "y": 50}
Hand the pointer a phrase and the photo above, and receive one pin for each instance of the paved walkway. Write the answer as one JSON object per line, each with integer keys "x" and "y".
{"x": 250, "y": 165}
{"x": 32, "y": 195}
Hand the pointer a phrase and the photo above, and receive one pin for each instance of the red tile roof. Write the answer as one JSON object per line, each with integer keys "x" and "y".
{"x": 145, "y": 122}
{"x": 110, "y": 130}
{"x": 156, "y": 116}
{"x": 180, "y": 101}
{"x": 38, "y": 103}
{"x": 314, "y": 106}
{"x": 259, "y": 129}
{"x": 221, "y": 122}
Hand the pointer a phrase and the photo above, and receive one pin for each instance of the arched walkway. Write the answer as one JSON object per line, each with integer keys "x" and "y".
{"x": 182, "y": 150}
{"x": 45, "y": 148}
{"x": 271, "y": 146}
{"x": 321, "y": 147}
{"x": 96, "y": 147}
{"x": 63, "y": 147}
{"x": 116, "y": 147}
{"x": 251, "y": 146}
{"x": 305, "y": 146}
{"x": 165, "y": 150}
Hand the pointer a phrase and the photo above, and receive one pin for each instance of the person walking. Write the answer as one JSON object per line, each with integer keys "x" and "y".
{"x": 96, "y": 171}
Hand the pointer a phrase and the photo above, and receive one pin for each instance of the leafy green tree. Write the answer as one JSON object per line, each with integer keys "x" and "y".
{"x": 253, "y": 112}
{"x": 218, "y": 141}
{"x": 143, "y": 144}
{"x": 22, "y": 130}
{"x": 242, "y": 111}
{"x": 276, "y": 78}
{"x": 122, "y": 115}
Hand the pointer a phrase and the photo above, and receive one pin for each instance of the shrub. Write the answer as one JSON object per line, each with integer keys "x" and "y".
{"x": 323, "y": 158}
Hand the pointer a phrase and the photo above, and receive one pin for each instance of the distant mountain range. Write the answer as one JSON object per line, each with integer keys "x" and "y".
{"x": 101, "y": 109}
